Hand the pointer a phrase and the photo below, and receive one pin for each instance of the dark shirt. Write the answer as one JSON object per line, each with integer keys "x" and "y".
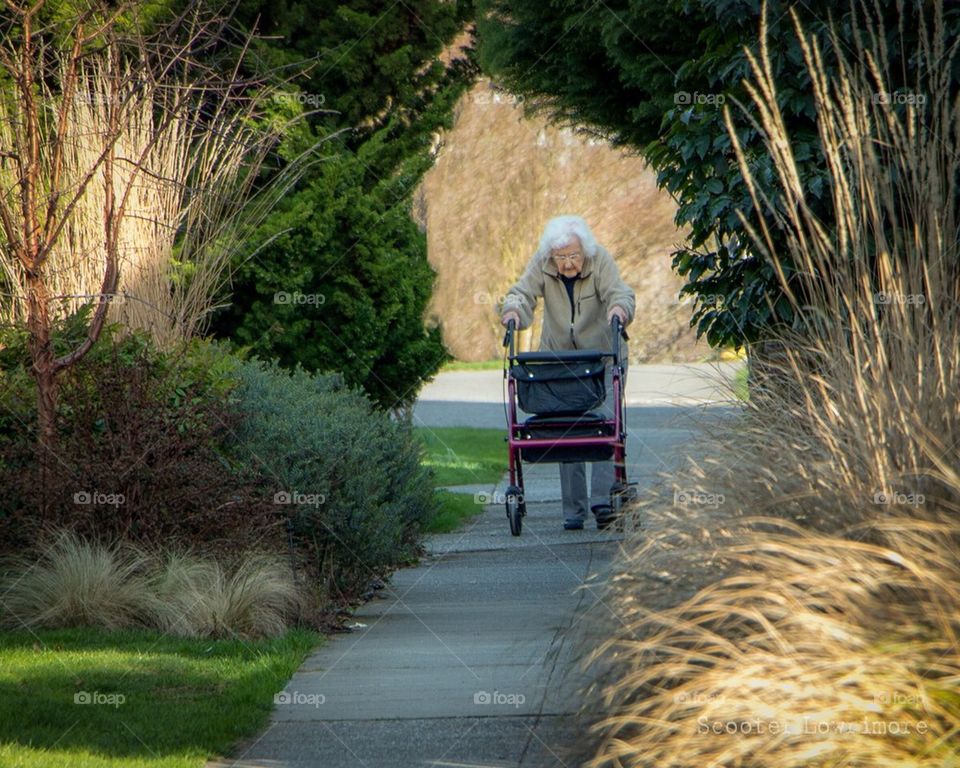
{"x": 568, "y": 283}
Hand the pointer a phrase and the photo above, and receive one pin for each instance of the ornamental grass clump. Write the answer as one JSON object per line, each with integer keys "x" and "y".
{"x": 822, "y": 627}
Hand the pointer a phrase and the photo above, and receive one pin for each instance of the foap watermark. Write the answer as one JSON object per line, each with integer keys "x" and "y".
{"x": 498, "y": 698}
{"x": 98, "y": 498}
{"x": 295, "y": 497}
{"x": 100, "y": 699}
{"x": 95, "y": 97}
{"x": 685, "y": 98}
{"x": 297, "y": 699}
{"x": 882, "y": 297}
{"x": 694, "y": 697}
{"x": 900, "y": 97}
{"x": 898, "y": 497}
{"x": 900, "y": 699}
{"x": 685, "y": 498}
{"x": 299, "y": 299}
{"x": 315, "y": 100}
{"x": 488, "y": 298}
{"x": 689, "y": 300}
{"x": 110, "y": 298}
{"x": 496, "y": 497}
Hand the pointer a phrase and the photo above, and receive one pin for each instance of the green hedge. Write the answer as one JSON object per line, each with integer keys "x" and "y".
{"x": 358, "y": 492}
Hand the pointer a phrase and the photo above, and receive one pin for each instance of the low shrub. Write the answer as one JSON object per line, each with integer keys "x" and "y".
{"x": 138, "y": 456}
{"x": 348, "y": 477}
{"x": 200, "y": 450}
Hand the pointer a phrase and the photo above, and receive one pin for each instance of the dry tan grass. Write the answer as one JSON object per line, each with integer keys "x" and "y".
{"x": 75, "y": 582}
{"x": 498, "y": 178}
{"x": 818, "y": 649}
{"x": 201, "y": 598}
{"x": 186, "y": 157}
{"x": 827, "y": 634}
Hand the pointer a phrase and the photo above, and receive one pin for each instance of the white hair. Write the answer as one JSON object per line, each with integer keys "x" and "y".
{"x": 559, "y": 233}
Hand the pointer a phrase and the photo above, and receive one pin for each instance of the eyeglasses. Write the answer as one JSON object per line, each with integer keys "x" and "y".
{"x": 569, "y": 259}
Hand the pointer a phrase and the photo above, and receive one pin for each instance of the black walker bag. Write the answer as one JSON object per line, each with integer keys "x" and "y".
{"x": 560, "y": 388}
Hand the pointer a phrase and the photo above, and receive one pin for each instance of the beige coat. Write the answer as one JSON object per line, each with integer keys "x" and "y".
{"x": 599, "y": 289}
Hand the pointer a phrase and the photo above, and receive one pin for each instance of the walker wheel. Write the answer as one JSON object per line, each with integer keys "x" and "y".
{"x": 516, "y": 509}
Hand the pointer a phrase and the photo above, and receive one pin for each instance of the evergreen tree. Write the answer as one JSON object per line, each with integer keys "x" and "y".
{"x": 374, "y": 78}
{"x": 653, "y": 75}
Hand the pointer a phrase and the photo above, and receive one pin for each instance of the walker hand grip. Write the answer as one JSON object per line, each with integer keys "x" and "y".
{"x": 618, "y": 329}
{"x": 508, "y": 337}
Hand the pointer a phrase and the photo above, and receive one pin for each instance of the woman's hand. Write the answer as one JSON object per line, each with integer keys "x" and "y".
{"x": 511, "y": 315}
{"x": 619, "y": 312}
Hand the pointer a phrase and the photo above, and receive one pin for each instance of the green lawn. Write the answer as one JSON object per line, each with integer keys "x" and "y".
{"x": 462, "y": 456}
{"x": 455, "y": 509}
{"x": 465, "y": 455}
{"x": 88, "y": 698}
{"x": 740, "y": 384}
{"x": 477, "y": 365}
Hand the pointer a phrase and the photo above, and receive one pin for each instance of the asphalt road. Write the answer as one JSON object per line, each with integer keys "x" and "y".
{"x": 469, "y": 659}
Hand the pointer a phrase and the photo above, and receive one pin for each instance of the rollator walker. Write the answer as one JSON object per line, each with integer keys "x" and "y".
{"x": 560, "y": 390}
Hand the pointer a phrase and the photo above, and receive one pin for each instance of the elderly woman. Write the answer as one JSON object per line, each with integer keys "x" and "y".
{"x": 582, "y": 291}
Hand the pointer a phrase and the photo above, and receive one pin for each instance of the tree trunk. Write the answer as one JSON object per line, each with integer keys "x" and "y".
{"x": 43, "y": 371}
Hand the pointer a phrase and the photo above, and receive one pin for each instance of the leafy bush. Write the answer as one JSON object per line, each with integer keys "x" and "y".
{"x": 350, "y": 478}
{"x": 345, "y": 233}
{"x": 342, "y": 284}
{"x": 662, "y": 92}
{"x": 192, "y": 448}
{"x": 138, "y": 456}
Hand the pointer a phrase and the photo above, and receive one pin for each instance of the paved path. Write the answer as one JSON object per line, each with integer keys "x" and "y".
{"x": 469, "y": 659}
{"x": 475, "y": 398}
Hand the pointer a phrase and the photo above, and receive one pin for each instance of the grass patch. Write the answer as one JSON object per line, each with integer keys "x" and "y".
{"x": 165, "y": 702}
{"x": 455, "y": 509}
{"x": 461, "y": 456}
{"x": 740, "y": 384}
{"x": 73, "y": 582}
{"x": 474, "y": 365}
{"x": 464, "y": 455}
{"x": 724, "y": 355}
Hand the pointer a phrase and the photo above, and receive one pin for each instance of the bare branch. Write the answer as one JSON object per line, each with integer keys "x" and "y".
{"x": 58, "y": 138}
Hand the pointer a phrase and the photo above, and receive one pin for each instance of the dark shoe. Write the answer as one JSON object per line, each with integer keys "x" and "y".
{"x": 573, "y": 525}
{"x": 604, "y": 515}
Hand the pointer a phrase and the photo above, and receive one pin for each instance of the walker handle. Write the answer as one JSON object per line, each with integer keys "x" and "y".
{"x": 618, "y": 332}
{"x": 508, "y": 337}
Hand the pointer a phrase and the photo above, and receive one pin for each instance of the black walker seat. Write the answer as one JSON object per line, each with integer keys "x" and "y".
{"x": 559, "y": 428}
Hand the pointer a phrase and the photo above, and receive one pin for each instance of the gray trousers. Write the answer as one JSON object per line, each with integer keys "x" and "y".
{"x": 573, "y": 475}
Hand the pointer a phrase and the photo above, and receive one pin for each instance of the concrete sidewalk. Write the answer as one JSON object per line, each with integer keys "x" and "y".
{"x": 465, "y": 661}
{"x": 470, "y": 658}
{"x": 688, "y": 384}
